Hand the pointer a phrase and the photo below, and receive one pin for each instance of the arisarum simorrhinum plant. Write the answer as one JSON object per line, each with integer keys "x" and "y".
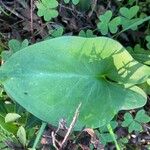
{"x": 51, "y": 78}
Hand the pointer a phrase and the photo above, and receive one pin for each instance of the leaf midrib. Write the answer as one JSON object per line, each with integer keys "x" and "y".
{"x": 53, "y": 75}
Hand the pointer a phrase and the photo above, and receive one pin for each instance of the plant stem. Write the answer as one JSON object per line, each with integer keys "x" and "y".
{"x": 137, "y": 23}
{"x": 42, "y": 128}
{"x": 113, "y": 136}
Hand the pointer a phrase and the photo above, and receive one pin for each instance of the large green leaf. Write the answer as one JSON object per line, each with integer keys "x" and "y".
{"x": 51, "y": 78}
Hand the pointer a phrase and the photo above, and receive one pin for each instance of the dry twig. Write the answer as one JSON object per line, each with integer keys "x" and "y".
{"x": 31, "y": 17}
{"x": 54, "y": 140}
{"x": 53, "y": 135}
{"x": 71, "y": 125}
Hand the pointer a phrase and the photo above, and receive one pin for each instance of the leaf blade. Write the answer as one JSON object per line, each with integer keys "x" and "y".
{"x": 68, "y": 76}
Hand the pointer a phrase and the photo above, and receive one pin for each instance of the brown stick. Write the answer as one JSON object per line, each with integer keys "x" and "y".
{"x": 54, "y": 140}
{"x": 71, "y": 126}
{"x": 31, "y": 17}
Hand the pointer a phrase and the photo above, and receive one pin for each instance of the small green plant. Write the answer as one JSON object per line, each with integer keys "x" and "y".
{"x": 128, "y": 15}
{"x": 75, "y": 2}
{"x": 87, "y": 33}
{"x": 57, "y": 32}
{"x": 4, "y": 134}
{"x": 50, "y": 79}
{"x": 127, "y": 19}
{"x": 14, "y": 46}
{"x": 63, "y": 68}
{"x": 107, "y": 24}
{"x": 47, "y": 9}
{"x": 104, "y": 135}
{"x": 135, "y": 124}
{"x": 122, "y": 142}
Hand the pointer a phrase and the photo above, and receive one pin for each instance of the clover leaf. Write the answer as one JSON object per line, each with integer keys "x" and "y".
{"x": 128, "y": 15}
{"x": 135, "y": 124}
{"x": 14, "y": 46}
{"x": 130, "y": 123}
{"x": 107, "y": 24}
{"x": 122, "y": 142}
{"x": 106, "y": 137}
{"x": 47, "y": 9}
{"x": 142, "y": 117}
{"x": 148, "y": 41}
{"x": 88, "y": 33}
{"x": 57, "y": 32}
{"x": 75, "y": 2}
{"x": 104, "y": 134}
{"x": 113, "y": 24}
{"x": 129, "y": 12}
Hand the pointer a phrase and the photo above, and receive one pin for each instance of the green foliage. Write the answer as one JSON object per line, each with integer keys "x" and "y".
{"x": 56, "y": 32}
{"x": 106, "y": 138}
{"x": 122, "y": 142}
{"x": 104, "y": 129}
{"x": 142, "y": 117}
{"x": 135, "y": 124}
{"x": 131, "y": 2}
{"x": 148, "y": 41}
{"x": 87, "y": 33}
{"x": 104, "y": 134}
{"x": 14, "y": 46}
{"x": 47, "y": 9}
{"x": 127, "y": 19}
{"x": 51, "y": 78}
{"x": 68, "y": 70}
{"x": 21, "y": 134}
{"x": 11, "y": 117}
{"x": 85, "y": 5}
{"x": 75, "y": 2}
{"x": 107, "y": 24}
{"x": 128, "y": 15}
{"x": 135, "y": 23}
{"x": 5, "y": 135}
{"x": 4, "y": 108}
{"x": 140, "y": 54}
{"x": 113, "y": 136}
{"x": 146, "y": 87}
